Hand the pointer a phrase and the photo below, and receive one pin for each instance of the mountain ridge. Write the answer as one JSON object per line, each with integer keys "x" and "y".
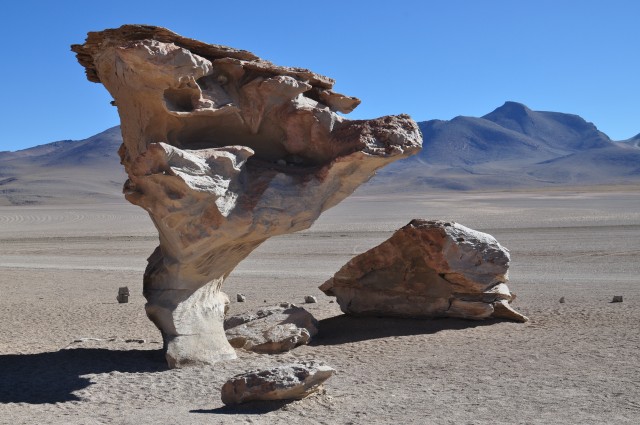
{"x": 67, "y": 171}
{"x": 511, "y": 147}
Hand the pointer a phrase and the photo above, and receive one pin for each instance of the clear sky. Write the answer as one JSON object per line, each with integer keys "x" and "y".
{"x": 431, "y": 59}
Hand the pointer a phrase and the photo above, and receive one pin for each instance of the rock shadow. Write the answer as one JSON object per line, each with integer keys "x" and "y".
{"x": 249, "y": 408}
{"x": 344, "y": 329}
{"x": 52, "y": 377}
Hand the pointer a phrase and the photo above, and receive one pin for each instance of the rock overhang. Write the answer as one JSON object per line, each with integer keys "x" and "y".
{"x": 219, "y": 95}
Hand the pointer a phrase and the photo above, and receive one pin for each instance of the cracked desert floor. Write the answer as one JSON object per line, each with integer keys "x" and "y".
{"x": 70, "y": 354}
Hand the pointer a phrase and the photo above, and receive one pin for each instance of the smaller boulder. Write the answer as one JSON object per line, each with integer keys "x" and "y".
{"x": 309, "y": 299}
{"x": 562, "y": 300}
{"x": 428, "y": 269}
{"x": 617, "y": 299}
{"x": 123, "y": 295}
{"x": 240, "y": 298}
{"x": 271, "y": 330}
{"x": 289, "y": 382}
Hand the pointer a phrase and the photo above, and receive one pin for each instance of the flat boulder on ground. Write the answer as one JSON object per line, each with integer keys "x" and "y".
{"x": 428, "y": 269}
{"x": 270, "y": 330}
{"x": 289, "y": 382}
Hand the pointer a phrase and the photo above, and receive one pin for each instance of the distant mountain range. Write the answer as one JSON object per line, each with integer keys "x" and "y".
{"x": 634, "y": 141}
{"x": 68, "y": 171}
{"x": 509, "y": 148}
{"x": 512, "y": 147}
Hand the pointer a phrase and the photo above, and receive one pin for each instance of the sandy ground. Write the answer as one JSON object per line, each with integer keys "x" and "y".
{"x": 69, "y": 353}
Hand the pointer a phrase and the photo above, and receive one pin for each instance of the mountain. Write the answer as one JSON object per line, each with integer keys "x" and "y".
{"x": 512, "y": 147}
{"x": 80, "y": 171}
{"x": 634, "y": 141}
{"x": 564, "y": 132}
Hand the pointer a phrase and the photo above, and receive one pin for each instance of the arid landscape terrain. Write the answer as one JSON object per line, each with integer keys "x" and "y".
{"x": 230, "y": 150}
{"x": 69, "y": 353}
{"x": 345, "y": 213}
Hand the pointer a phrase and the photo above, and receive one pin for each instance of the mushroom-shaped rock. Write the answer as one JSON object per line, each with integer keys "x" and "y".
{"x": 288, "y": 382}
{"x": 428, "y": 269}
{"x": 270, "y": 330}
{"x": 224, "y": 150}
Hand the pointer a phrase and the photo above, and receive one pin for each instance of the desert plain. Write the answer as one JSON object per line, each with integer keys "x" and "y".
{"x": 71, "y": 354}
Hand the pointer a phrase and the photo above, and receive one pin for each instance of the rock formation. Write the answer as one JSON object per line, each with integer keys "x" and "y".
{"x": 293, "y": 381}
{"x": 428, "y": 269}
{"x": 224, "y": 150}
{"x": 270, "y": 330}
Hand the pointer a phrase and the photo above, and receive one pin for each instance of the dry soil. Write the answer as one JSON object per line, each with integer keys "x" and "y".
{"x": 69, "y": 353}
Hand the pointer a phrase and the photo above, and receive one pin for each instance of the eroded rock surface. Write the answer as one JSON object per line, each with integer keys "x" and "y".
{"x": 293, "y": 381}
{"x": 224, "y": 150}
{"x": 271, "y": 330}
{"x": 428, "y": 269}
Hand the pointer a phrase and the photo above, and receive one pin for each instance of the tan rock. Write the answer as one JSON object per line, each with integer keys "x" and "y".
{"x": 225, "y": 150}
{"x": 271, "y": 330}
{"x": 502, "y": 310}
{"x": 294, "y": 381}
{"x": 428, "y": 269}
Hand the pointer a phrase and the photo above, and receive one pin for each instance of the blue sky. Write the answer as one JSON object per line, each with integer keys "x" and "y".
{"x": 431, "y": 59}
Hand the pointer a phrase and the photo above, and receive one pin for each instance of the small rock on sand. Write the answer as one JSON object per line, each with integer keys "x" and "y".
{"x": 123, "y": 295}
{"x": 289, "y": 382}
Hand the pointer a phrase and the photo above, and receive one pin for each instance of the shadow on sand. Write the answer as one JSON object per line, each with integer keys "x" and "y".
{"x": 52, "y": 377}
{"x": 344, "y": 329}
{"x": 249, "y": 408}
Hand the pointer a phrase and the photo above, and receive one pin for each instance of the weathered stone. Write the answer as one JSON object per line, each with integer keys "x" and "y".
{"x": 502, "y": 310}
{"x": 225, "y": 150}
{"x": 270, "y": 330}
{"x": 428, "y": 269}
{"x": 617, "y": 299}
{"x": 123, "y": 295}
{"x": 562, "y": 300}
{"x": 310, "y": 299}
{"x": 240, "y": 298}
{"x": 294, "y": 381}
